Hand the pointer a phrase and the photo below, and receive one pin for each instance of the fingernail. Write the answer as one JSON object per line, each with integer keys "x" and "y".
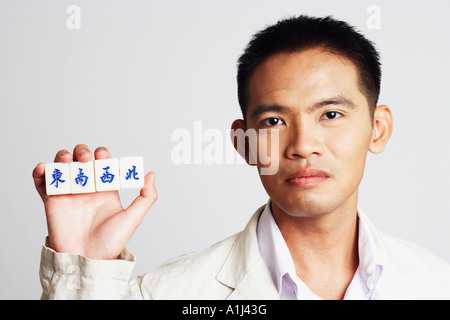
{"x": 153, "y": 178}
{"x": 82, "y": 153}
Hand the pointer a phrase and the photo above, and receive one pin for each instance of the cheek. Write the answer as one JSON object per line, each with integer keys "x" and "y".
{"x": 273, "y": 186}
{"x": 267, "y": 150}
{"x": 348, "y": 146}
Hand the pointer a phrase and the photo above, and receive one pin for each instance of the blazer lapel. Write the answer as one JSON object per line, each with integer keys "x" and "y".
{"x": 244, "y": 269}
{"x": 256, "y": 284}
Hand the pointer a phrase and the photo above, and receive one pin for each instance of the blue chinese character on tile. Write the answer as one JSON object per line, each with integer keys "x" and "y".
{"x": 56, "y": 175}
{"x": 131, "y": 174}
{"x": 107, "y": 177}
{"x": 81, "y": 178}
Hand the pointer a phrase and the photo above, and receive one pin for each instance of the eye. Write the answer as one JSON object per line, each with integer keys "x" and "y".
{"x": 331, "y": 115}
{"x": 272, "y": 121}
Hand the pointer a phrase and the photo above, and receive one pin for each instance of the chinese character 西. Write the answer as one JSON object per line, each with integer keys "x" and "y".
{"x": 107, "y": 177}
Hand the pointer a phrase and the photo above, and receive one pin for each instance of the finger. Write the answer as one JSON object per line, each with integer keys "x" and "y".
{"x": 139, "y": 207}
{"x": 82, "y": 153}
{"x": 39, "y": 178}
{"x": 63, "y": 156}
{"x": 102, "y": 153}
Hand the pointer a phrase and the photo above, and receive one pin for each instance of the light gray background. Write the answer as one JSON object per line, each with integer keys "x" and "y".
{"x": 138, "y": 70}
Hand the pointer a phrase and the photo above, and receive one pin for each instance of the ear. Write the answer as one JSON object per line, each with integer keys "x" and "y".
{"x": 382, "y": 129}
{"x": 239, "y": 139}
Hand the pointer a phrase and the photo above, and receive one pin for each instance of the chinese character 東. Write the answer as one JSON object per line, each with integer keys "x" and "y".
{"x": 57, "y": 177}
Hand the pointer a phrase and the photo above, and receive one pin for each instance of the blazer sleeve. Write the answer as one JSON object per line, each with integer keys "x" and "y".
{"x": 72, "y": 276}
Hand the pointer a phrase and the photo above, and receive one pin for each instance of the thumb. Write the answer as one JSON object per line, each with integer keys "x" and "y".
{"x": 139, "y": 207}
{"x": 39, "y": 179}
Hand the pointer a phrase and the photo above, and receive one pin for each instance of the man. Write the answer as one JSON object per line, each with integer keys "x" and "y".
{"x": 314, "y": 82}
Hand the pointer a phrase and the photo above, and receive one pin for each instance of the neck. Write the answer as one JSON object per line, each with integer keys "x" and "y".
{"x": 324, "y": 248}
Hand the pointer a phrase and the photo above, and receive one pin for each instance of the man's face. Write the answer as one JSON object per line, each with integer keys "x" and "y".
{"x": 313, "y": 99}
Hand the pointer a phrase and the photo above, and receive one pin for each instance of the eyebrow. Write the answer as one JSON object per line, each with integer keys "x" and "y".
{"x": 272, "y": 108}
{"x": 335, "y": 100}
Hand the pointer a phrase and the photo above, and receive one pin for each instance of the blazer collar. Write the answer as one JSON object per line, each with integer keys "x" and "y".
{"x": 244, "y": 270}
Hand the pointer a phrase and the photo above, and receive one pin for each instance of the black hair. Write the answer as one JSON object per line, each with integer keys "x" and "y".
{"x": 303, "y": 32}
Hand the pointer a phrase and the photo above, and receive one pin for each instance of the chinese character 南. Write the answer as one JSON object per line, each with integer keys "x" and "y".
{"x": 131, "y": 174}
{"x": 57, "y": 177}
{"x": 107, "y": 177}
{"x": 81, "y": 178}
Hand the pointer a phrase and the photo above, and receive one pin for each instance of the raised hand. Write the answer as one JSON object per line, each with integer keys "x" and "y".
{"x": 94, "y": 225}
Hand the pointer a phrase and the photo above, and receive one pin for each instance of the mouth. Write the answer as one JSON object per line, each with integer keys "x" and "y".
{"x": 307, "y": 177}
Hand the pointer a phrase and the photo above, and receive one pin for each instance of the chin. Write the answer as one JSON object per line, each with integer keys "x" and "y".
{"x": 311, "y": 201}
{"x": 306, "y": 209}
{"x": 306, "y": 204}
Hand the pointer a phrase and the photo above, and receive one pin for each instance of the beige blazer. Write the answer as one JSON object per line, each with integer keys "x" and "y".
{"x": 230, "y": 269}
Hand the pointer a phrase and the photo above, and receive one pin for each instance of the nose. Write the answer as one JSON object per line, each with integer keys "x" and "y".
{"x": 304, "y": 141}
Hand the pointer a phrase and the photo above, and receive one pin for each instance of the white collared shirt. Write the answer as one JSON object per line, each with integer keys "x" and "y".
{"x": 278, "y": 259}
